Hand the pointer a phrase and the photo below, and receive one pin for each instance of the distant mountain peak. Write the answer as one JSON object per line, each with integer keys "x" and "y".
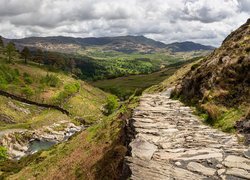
{"x": 188, "y": 46}
{"x": 127, "y": 44}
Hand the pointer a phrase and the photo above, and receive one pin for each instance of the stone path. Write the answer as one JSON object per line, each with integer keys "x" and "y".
{"x": 172, "y": 143}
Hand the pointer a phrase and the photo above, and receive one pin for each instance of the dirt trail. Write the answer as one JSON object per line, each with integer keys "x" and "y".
{"x": 172, "y": 143}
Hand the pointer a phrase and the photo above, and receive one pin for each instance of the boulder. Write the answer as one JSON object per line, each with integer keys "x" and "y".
{"x": 6, "y": 119}
{"x": 142, "y": 149}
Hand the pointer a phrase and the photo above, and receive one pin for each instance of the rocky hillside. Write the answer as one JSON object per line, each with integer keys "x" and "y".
{"x": 219, "y": 85}
{"x": 125, "y": 44}
{"x": 188, "y": 46}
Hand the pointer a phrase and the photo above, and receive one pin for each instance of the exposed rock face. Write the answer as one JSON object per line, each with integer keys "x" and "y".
{"x": 244, "y": 127}
{"x": 172, "y": 143}
{"x": 18, "y": 141}
{"x": 17, "y": 108}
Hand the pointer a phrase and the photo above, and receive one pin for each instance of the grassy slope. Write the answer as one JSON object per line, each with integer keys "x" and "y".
{"x": 91, "y": 96}
{"x": 85, "y": 103}
{"x": 173, "y": 79}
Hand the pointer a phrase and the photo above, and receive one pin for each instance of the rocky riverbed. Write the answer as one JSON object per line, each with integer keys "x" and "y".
{"x": 172, "y": 143}
{"x": 20, "y": 142}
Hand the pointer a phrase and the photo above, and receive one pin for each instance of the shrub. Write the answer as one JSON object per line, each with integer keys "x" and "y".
{"x": 3, "y": 82}
{"x": 194, "y": 67}
{"x": 247, "y": 49}
{"x": 212, "y": 110}
{"x": 122, "y": 93}
{"x": 111, "y": 105}
{"x": 27, "y": 91}
{"x": 50, "y": 80}
{"x": 27, "y": 78}
{"x": 240, "y": 59}
{"x": 16, "y": 72}
{"x": 236, "y": 46}
{"x": 69, "y": 89}
{"x": 72, "y": 88}
{"x": 3, "y": 153}
{"x": 8, "y": 75}
{"x": 226, "y": 122}
{"x": 221, "y": 60}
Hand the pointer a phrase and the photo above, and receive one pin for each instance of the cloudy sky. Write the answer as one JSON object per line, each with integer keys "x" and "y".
{"x": 203, "y": 21}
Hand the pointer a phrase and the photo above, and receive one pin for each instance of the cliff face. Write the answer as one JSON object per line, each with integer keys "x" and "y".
{"x": 220, "y": 83}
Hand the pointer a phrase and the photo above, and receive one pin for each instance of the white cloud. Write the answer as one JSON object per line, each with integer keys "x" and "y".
{"x": 15, "y": 7}
{"x": 201, "y": 21}
{"x": 210, "y": 11}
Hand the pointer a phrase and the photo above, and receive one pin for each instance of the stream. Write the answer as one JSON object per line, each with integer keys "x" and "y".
{"x": 38, "y": 145}
{"x": 41, "y": 139}
{"x": 43, "y": 144}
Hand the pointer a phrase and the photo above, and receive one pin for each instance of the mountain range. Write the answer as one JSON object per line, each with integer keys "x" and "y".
{"x": 126, "y": 44}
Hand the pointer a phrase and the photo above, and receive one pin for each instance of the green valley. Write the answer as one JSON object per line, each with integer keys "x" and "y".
{"x": 124, "y": 87}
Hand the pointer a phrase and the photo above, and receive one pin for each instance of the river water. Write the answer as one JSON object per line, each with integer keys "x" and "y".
{"x": 38, "y": 145}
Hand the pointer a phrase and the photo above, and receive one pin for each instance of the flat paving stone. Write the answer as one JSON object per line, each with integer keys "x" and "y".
{"x": 172, "y": 143}
{"x": 197, "y": 167}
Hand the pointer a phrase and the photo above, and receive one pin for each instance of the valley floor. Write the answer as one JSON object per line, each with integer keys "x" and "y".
{"x": 172, "y": 143}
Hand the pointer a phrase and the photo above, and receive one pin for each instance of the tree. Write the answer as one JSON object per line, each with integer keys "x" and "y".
{"x": 3, "y": 153}
{"x": 54, "y": 60}
{"x": 111, "y": 105}
{"x": 1, "y": 42}
{"x": 10, "y": 50}
{"x": 72, "y": 64}
{"x": 25, "y": 54}
{"x": 39, "y": 56}
{"x": 77, "y": 72}
{"x": 1, "y": 45}
{"x": 27, "y": 91}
